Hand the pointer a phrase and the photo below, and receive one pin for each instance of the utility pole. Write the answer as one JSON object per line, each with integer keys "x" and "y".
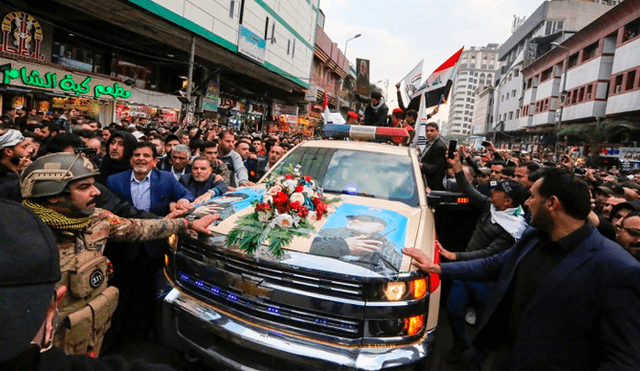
{"x": 192, "y": 57}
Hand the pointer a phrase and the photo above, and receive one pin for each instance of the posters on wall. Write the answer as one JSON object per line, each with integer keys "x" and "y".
{"x": 211, "y": 100}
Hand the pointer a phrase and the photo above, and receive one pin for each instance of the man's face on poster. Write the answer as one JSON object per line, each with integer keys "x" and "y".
{"x": 357, "y": 226}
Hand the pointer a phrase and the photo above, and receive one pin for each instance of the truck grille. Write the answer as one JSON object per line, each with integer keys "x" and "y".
{"x": 285, "y": 298}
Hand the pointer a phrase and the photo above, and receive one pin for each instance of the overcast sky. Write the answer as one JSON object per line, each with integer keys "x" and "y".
{"x": 397, "y": 34}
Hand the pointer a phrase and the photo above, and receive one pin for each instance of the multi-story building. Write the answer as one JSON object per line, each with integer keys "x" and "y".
{"x": 483, "y": 111}
{"x": 254, "y": 55}
{"x": 592, "y": 76}
{"x": 476, "y": 68}
{"x": 553, "y": 21}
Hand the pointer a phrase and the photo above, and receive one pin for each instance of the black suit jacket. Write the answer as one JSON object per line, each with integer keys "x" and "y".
{"x": 433, "y": 164}
{"x": 584, "y": 315}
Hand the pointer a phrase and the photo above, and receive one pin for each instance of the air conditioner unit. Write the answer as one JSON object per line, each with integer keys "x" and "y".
{"x": 618, "y": 89}
{"x": 624, "y": 138}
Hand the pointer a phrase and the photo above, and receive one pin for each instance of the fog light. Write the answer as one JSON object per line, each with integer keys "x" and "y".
{"x": 395, "y": 290}
{"x": 413, "y": 325}
{"x": 173, "y": 242}
{"x": 418, "y": 288}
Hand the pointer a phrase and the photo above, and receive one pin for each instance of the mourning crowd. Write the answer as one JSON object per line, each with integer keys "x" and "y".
{"x": 550, "y": 271}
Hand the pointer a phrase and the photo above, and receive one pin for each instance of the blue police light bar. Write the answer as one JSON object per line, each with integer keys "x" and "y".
{"x": 395, "y": 135}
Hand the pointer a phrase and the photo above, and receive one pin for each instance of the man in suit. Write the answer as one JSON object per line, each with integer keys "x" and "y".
{"x": 148, "y": 188}
{"x": 566, "y": 297}
{"x": 433, "y": 161}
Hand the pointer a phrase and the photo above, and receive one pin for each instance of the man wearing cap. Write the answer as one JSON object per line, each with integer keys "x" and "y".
{"x": 500, "y": 224}
{"x": 359, "y": 243}
{"x": 14, "y": 150}
{"x": 60, "y": 189}
{"x": 352, "y": 118}
{"x": 29, "y": 271}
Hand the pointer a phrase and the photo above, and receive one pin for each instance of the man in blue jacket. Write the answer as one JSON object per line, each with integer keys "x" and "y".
{"x": 148, "y": 188}
{"x": 566, "y": 297}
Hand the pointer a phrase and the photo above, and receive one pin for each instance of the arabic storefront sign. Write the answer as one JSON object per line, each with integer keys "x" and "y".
{"x": 212, "y": 97}
{"x": 22, "y": 35}
{"x": 86, "y": 106}
{"x": 127, "y": 111}
{"x": 251, "y": 45}
{"x": 67, "y": 83}
{"x": 283, "y": 109}
{"x": 311, "y": 94}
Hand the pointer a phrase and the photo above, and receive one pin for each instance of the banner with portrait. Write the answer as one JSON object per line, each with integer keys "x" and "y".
{"x": 362, "y": 77}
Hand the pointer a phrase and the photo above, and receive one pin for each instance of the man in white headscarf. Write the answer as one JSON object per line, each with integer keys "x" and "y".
{"x": 14, "y": 156}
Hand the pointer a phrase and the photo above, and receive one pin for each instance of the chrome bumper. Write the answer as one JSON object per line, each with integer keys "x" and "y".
{"x": 305, "y": 352}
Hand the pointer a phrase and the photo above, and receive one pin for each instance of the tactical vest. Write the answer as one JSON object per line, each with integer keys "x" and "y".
{"x": 87, "y": 308}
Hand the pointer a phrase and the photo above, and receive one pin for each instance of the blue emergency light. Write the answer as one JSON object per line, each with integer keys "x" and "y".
{"x": 395, "y": 135}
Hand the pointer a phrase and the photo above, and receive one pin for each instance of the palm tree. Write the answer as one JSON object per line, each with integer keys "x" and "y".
{"x": 596, "y": 134}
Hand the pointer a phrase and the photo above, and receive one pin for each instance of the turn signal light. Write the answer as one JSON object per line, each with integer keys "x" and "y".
{"x": 166, "y": 259}
{"x": 413, "y": 325}
{"x": 173, "y": 242}
{"x": 418, "y": 288}
{"x": 463, "y": 200}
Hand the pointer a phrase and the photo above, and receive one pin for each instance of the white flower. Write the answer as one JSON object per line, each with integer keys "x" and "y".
{"x": 312, "y": 218}
{"x": 263, "y": 216}
{"x": 308, "y": 191}
{"x": 284, "y": 221}
{"x": 267, "y": 198}
{"x": 290, "y": 185}
{"x": 297, "y": 197}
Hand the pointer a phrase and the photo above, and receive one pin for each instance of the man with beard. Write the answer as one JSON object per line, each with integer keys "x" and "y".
{"x": 202, "y": 182}
{"x": 164, "y": 163}
{"x": 238, "y": 173}
{"x": 376, "y": 112}
{"x": 566, "y": 297}
{"x": 628, "y": 234}
{"x": 360, "y": 243}
{"x": 120, "y": 147}
{"x": 60, "y": 189}
{"x": 433, "y": 161}
{"x": 275, "y": 154}
{"x": 14, "y": 151}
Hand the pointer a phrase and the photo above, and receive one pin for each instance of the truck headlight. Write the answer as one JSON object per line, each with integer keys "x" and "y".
{"x": 173, "y": 242}
{"x": 406, "y": 290}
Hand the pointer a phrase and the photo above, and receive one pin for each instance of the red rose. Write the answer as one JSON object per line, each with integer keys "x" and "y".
{"x": 295, "y": 205}
{"x": 299, "y": 188}
{"x": 263, "y": 206}
{"x": 315, "y": 201}
{"x": 320, "y": 209}
{"x": 307, "y": 178}
{"x": 283, "y": 209}
{"x": 280, "y": 199}
{"x": 289, "y": 176}
{"x": 303, "y": 211}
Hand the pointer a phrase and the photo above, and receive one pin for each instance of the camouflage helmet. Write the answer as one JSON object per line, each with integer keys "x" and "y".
{"x": 50, "y": 174}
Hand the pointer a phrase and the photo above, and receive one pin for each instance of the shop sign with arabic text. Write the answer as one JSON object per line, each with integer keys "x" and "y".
{"x": 61, "y": 81}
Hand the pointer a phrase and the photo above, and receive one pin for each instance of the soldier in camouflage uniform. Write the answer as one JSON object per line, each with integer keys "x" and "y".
{"x": 360, "y": 243}
{"x": 60, "y": 188}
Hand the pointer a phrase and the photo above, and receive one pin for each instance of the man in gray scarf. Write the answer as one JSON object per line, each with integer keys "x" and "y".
{"x": 13, "y": 150}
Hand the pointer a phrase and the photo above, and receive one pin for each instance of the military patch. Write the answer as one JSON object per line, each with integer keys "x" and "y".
{"x": 96, "y": 278}
{"x": 113, "y": 219}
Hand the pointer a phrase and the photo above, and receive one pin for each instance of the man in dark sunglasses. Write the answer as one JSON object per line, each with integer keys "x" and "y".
{"x": 628, "y": 233}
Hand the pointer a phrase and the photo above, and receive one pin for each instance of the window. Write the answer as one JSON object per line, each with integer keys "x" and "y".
{"x": 513, "y": 93}
{"x": 511, "y": 115}
{"x": 573, "y": 60}
{"x": 631, "y": 30}
{"x": 507, "y": 96}
{"x": 517, "y": 114}
{"x": 546, "y": 74}
{"x": 589, "y": 92}
{"x": 617, "y": 87}
{"x": 516, "y": 73}
{"x": 590, "y": 52}
{"x": 529, "y": 81}
{"x": 631, "y": 79}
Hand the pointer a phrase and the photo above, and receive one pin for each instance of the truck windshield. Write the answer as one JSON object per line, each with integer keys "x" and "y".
{"x": 362, "y": 173}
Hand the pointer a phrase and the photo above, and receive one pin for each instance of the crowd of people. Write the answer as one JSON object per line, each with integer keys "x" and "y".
{"x": 112, "y": 195}
{"x": 549, "y": 269}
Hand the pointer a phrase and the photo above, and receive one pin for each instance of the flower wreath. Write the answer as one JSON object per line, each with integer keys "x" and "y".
{"x": 290, "y": 205}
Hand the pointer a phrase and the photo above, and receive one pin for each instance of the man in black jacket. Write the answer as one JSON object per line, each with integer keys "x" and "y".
{"x": 202, "y": 183}
{"x": 120, "y": 147}
{"x": 433, "y": 161}
{"x": 376, "y": 112}
{"x": 501, "y": 223}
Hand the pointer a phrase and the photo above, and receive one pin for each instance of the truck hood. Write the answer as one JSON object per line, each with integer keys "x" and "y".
{"x": 361, "y": 236}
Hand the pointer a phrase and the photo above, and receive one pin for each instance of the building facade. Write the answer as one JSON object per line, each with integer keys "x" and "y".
{"x": 592, "y": 76}
{"x": 553, "y": 21}
{"x": 476, "y": 68}
{"x": 252, "y": 58}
